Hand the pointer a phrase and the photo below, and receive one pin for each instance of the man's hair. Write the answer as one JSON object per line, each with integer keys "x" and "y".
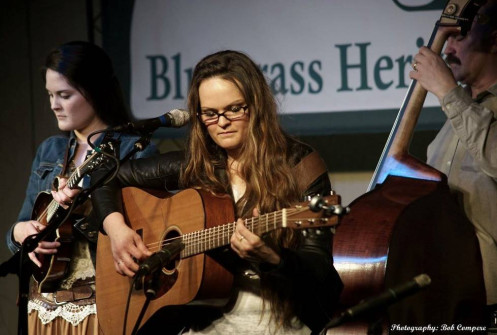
{"x": 487, "y": 24}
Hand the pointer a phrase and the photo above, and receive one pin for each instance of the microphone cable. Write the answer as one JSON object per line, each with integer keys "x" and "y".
{"x": 128, "y": 300}
{"x": 103, "y": 152}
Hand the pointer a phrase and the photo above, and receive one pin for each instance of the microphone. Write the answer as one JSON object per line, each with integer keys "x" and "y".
{"x": 384, "y": 299}
{"x": 175, "y": 118}
{"x": 159, "y": 259}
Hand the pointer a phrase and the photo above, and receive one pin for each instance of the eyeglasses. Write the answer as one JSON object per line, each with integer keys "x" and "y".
{"x": 209, "y": 117}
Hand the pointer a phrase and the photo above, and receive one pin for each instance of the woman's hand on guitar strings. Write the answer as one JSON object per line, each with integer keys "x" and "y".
{"x": 126, "y": 245}
{"x": 24, "y": 229}
{"x": 250, "y": 246}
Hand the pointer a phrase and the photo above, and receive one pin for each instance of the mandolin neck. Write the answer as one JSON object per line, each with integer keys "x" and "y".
{"x": 72, "y": 182}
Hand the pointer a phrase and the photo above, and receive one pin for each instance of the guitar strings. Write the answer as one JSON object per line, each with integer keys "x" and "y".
{"x": 224, "y": 231}
{"x": 53, "y": 206}
{"x": 203, "y": 235}
{"x": 215, "y": 236}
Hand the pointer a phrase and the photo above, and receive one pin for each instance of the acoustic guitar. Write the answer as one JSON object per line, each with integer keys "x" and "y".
{"x": 192, "y": 216}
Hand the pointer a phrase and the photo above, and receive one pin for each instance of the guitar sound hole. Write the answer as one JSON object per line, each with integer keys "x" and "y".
{"x": 170, "y": 236}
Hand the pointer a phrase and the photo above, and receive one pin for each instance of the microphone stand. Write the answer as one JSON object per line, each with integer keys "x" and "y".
{"x": 31, "y": 242}
{"x": 379, "y": 303}
{"x": 10, "y": 266}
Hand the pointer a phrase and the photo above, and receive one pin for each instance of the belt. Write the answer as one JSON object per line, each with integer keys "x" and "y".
{"x": 73, "y": 294}
{"x": 83, "y": 294}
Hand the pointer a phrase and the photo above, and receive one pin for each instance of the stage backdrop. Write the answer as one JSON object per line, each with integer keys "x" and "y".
{"x": 350, "y": 58}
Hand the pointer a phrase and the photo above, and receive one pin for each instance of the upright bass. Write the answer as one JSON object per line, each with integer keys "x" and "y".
{"x": 408, "y": 224}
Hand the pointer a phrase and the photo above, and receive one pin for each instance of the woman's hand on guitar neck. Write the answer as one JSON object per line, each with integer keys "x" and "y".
{"x": 25, "y": 228}
{"x": 250, "y": 246}
{"x": 126, "y": 245}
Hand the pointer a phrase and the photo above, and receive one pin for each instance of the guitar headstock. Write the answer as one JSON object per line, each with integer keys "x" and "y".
{"x": 460, "y": 13}
{"x": 316, "y": 213}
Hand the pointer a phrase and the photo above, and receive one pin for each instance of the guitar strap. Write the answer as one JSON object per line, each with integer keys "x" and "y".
{"x": 308, "y": 170}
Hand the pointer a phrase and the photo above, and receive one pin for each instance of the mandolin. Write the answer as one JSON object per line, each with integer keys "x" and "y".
{"x": 46, "y": 210}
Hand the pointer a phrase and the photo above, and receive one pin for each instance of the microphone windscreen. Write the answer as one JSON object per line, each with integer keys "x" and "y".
{"x": 422, "y": 280}
{"x": 179, "y": 117}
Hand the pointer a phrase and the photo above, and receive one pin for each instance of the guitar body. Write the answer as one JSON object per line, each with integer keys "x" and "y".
{"x": 156, "y": 217}
{"x": 54, "y": 267}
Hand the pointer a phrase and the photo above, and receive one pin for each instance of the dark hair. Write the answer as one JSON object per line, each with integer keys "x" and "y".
{"x": 89, "y": 70}
{"x": 491, "y": 13}
{"x": 487, "y": 25}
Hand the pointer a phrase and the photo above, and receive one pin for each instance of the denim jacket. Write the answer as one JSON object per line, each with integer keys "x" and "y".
{"x": 48, "y": 164}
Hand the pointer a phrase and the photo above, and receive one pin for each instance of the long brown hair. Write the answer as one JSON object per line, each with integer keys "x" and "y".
{"x": 264, "y": 166}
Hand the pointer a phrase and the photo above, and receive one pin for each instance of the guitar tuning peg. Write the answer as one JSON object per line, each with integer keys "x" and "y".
{"x": 316, "y": 203}
{"x": 336, "y": 209}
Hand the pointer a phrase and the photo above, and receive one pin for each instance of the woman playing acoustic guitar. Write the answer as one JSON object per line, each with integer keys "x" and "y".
{"x": 285, "y": 281}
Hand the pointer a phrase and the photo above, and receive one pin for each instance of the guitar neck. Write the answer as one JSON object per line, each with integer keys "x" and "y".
{"x": 215, "y": 237}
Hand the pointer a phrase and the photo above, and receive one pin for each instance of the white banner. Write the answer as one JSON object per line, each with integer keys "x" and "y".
{"x": 318, "y": 55}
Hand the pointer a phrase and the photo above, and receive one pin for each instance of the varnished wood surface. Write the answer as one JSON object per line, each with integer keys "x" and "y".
{"x": 156, "y": 216}
{"x": 53, "y": 267}
{"x": 403, "y": 228}
{"x": 203, "y": 222}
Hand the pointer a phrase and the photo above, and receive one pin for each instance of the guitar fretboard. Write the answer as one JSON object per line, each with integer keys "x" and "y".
{"x": 211, "y": 238}
{"x": 72, "y": 182}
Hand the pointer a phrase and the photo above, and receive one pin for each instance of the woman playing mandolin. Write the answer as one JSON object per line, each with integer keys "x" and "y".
{"x": 285, "y": 281}
{"x": 85, "y": 97}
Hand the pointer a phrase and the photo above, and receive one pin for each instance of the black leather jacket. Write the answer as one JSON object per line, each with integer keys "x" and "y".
{"x": 305, "y": 275}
